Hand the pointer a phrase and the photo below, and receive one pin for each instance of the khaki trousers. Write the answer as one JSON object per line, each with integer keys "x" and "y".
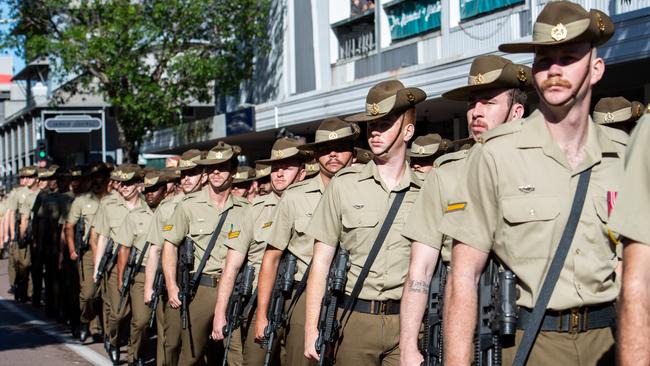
{"x": 294, "y": 335}
{"x": 11, "y": 263}
{"x": 254, "y": 353}
{"x": 196, "y": 347}
{"x": 591, "y": 348}
{"x": 140, "y": 314}
{"x": 168, "y": 323}
{"x": 112, "y": 301}
{"x": 368, "y": 339}
{"x": 87, "y": 297}
{"x": 23, "y": 261}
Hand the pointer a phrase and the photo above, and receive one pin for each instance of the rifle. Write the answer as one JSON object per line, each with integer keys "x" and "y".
{"x": 431, "y": 345}
{"x": 281, "y": 291}
{"x": 129, "y": 275}
{"x": 328, "y": 325}
{"x": 158, "y": 286}
{"x": 240, "y": 296}
{"x": 497, "y": 316}
{"x": 186, "y": 265}
{"x": 105, "y": 262}
{"x": 28, "y": 237}
{"x": 80, "y": 243}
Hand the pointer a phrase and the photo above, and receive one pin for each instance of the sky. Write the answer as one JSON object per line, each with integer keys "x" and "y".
{"x": 18, "y": 62}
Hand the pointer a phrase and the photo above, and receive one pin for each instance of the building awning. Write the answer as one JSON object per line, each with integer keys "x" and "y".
{"x": 35, "y": 70}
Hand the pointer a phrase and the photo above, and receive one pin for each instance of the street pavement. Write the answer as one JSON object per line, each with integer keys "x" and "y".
{"x": 28, "y": 338}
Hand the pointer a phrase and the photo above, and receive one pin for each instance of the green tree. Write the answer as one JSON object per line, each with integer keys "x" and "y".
{"x": 148, "y": 58}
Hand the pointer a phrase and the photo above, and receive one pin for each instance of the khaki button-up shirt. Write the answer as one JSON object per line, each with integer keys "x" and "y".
{"x": 16, "y": 196}
{"x": 98, "y": 221}
{"x": 257, "y": 231}
{"x": 351, "y": 213}
{"x": 25, "y": 206}
{"x": 196, "y": 217}
{"x": 134, "y": 229}
{"x": 423, "y": 222}
{"x": 518, "y": 195}
{"x": 291, "y": 218}
{"x": 84, "y": 207}
{"x": 161, "y": 218}
{"x": 631, "y": 216}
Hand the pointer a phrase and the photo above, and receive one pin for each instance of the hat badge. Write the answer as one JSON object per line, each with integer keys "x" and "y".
{"x": 559, "y": 32}
{"x": 219, "y": 155}
{"x": 278, "y": 153}
{"x": 609, "y": 117}
{"x": 421, "y": 150}
{"x": 150, "y": 181}
{"x": 638, "y": 110}
{"x": 479, "y": 79}
{"x": 600, "y": 22}
{"x": 333, "y": 135}
{"x": 521, "y": 75}
{"x": 374, "y": 109}
{"x": 410, "y": 97}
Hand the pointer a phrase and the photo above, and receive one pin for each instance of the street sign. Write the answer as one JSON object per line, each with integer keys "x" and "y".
{"x": 73, "y": 123}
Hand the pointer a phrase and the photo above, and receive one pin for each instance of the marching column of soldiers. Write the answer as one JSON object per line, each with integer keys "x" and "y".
{"x": 506, "y": 247}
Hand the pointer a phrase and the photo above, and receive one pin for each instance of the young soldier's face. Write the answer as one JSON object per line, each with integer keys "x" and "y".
{"x": 191, "y": 179}
{"x": 388, "y": 133}
{"x": 129, "y": 189}
{"x": 421, "y": 165}
{"x": 565, "y": 73}
{"x": 333, "y": 157}
{"x": 29, "y": 182}
{"x": 219, "y": 176}
{"x": 486, "y": 110}
{"x": 154, "y": 195}
{"x": 286, "y": 172}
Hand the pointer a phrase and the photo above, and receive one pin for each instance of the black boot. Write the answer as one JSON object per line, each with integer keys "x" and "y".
{"x": 84, "y": 332}
{"x": 140, "y": 361}
{"x": 114, "y": 354}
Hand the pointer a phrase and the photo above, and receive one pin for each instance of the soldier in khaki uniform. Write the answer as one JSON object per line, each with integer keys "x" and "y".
{"x": 362, "y": 156}
{"x": 4, "y": 238}
{"x": 108, "y": 220}
{"x": 132, "y": 235}
{"x": 499, "y": 97}
{"x": 618, "y": 112}
{"x": 84, "y": 208}
{"x": 15, "y": 195}
{"x": 168, "y": 321}
{"x": 287, "y": 167}
{"x": 263, "y": 178}
{"x": 350, "y": 214}
{"x": 630, "y": 218}
{"x": 423, "y": 152}
{"x": 518, "y": 194}
{"x": 244, "y": 183}
{"x": 333, "y": 149}
{"x": 23, "y": 252}
{"x": 195, "y": 219}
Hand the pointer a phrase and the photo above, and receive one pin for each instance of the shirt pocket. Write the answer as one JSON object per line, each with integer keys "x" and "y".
{"x": 601, "y": 236}
{"x": 529, "y": 222}
{"x": 356, "y": 228}
{"x": 301, "y": 225}
{"x": 199, "y": 228}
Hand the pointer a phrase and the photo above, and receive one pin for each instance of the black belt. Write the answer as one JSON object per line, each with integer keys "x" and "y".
{"x": 574, "y": 320}
{"x": 387, "y": 307}
{"x": 207, "y": 280}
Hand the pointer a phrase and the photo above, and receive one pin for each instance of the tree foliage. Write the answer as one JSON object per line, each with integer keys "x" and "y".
{"x": 148, "y": 58}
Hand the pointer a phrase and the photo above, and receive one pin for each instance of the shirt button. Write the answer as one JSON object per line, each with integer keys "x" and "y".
{"x": 531, "y": 212}
{"x": 200, "y": 230}
{"x": 579, "y": 287}
{"x": 578, "y": 251}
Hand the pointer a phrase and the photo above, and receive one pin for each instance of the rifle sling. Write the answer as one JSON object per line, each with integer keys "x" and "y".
{"x": 141, "y": 258}
{"x": 376, "y": 246}
{"x": 532, "y": 328}
{"x": 213, "y": 240}
{"x": 300, "y": 288}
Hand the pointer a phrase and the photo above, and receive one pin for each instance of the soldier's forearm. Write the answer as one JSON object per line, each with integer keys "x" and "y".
{"x": 413, "y": 306}
{"x": 266, "y": 280}
{"x": 102, "y": 243}
{"x": 169, "y": 261}
{"x": 151, "y": 266}
{"x": 316, "y": 283}
{"x": 69, "y": 237}
{"x": 634, "y": 324}
{"x": 122, "y": 259}
{"x": 93, "y": 240}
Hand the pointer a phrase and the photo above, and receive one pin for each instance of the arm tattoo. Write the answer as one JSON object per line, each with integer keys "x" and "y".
{"x": 421, "y": 287}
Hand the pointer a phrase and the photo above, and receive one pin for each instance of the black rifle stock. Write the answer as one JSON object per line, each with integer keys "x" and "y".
{"x": 158, "y": 287}
{"x": 328, "y": 324}
{"x": 432, "y": 346}
{"x": 80, "y": 243}
{"x": 241, "y": 294}
{"x": 127, "y": 277}
{"x": 281, "y": 292}
{"x": 496, "y": 313}
{"x": 105, "y": 262}
{"x": 185, "y": 268}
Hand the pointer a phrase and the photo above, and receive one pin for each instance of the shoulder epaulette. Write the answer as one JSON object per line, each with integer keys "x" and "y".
{"x": 259, "y": 200}
{"x": 454, "y": 156}
{"x": 350, "y": 170}
{"x": 502, "y": 130}
{"x": 240, "y": 200}
{"x": 301, "y": 183}
{"x": 191, "y": 195}
{"x": 615, "y": 134}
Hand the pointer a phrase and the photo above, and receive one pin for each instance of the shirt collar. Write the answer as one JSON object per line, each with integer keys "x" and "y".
{"x": 408, "y": 177}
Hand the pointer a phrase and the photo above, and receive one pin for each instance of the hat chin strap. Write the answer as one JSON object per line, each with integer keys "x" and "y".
{"x": 401, "y": 125}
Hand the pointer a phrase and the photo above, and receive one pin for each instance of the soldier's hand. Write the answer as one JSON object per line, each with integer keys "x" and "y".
{"x": 218, "y": 323}
{"x": 260, "y": 325}
{"x": 174, "y": 300}
{"x": 148, "y": 294}
{"x": 410, "y": 357}
{"x": 311, "y": 335}
{"x": 73, "y": 256}
{"x": 95, "y": 276}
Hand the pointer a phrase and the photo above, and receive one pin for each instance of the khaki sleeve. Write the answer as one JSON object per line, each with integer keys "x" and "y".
{"x": 631, "y": 216}
{"x": 424, "y": 218}
{"x": 100, "y": 222}
{"x": 75, "y": 212}
{"x": 282, "y": 225}
{"x": 241, "y": 240}
{"x": 154, "y": 236}
{"x": 25, "y": 207}
{"x": 124, "y": 234}
{"x": 472, "y": 219}
{"x": 12, "y": 202}
{"x": 178, "y": 226}
{"x": 325, "y": 225}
